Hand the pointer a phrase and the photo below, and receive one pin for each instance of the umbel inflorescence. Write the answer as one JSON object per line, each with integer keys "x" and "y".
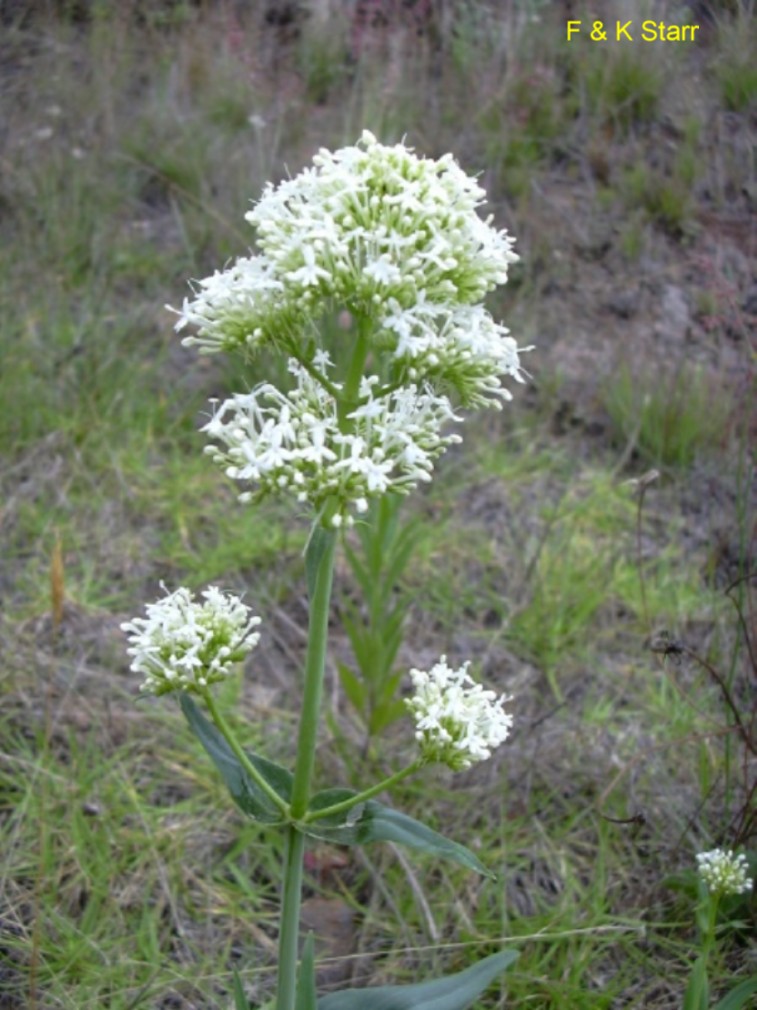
{"x": 293, "y": 441}
{"x": 395, "y": 240}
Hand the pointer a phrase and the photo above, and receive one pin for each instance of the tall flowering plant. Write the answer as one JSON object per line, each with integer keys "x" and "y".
{"x": 397, "y": 243}
{"x": 723, "y": 876}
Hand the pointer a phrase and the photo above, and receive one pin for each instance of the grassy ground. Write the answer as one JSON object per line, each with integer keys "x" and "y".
{"x": 133, "y": 139}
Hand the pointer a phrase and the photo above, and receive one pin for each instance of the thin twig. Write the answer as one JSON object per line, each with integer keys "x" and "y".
{"x": 742, "y": 619}
{"x": 727, "y": 696}
{"x": 643, "y": 483}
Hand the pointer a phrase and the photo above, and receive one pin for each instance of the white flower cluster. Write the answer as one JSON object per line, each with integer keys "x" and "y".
{"x": 371, "y": 222}
{"x": 723, "y": 872}
{"x": 456, "y": 346}
{"x": 388, "y": 235}
{"x": 458, "y": 722}
{"x": 397, "y": 241}
{"x": 293, "y": 441}
{"x": 244, "y": 306}
{"x": 185, "y": 645}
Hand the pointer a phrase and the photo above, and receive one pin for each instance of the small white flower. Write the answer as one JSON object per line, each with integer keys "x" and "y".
{"x": 185, "y": 645}
{"x": 723, "y": 872}
{"x": 309, "y": 273}
{"x": 397, "y": 243}
{"x": 457, "y": 721}
{"x": 379, "y": 214}
{"x": 383, "y": 271}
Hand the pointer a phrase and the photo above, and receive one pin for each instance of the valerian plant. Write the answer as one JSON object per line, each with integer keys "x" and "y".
{"x": 722, "y": 875}
{"x": 396, "y": 244}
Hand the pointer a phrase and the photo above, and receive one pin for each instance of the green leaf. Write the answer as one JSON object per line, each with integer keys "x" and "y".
{"x": 385, "y": 714}
{"x": 240, "y": 1000}
{"x": 361, "y": 642}
{"x": 306, "y": 995}
{"x": 454, "y": 992}
{"x": 374, "y": 822}
{"x": 393, "y": 622}
{"x": 385, "y": 693}
{"x": 353, "y": 686}
{"x": 363, "y": 578}
{"x": 245, "y": 792}
{"x": 318, "y": 544}
{"x": 737, "y": 997}
{"x": 696, "y": 996}
{"x": 404, "y": 547}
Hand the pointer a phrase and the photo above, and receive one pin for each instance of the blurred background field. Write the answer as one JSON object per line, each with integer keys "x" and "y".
{"x": 618, "y": 609}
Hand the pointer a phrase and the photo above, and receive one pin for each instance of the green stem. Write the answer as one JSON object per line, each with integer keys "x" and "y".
{"x": 321, "y": 549}
{"x": 330, "y": 388}
{"x": 245, "y": 762}
{"x": 348, "y": 804}
{"x": 708, "y": 934}
{"x": 390, "y": 387}
{"x": 320, "y": 568}
{"x": 286, "y": 984}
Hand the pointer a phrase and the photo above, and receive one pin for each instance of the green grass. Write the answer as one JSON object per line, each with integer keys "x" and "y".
{"x": 624, "y": 90}
{"x": 127, "y": 880}
{"x": 117, "y": 842}
{"x": 735, "y": 72}
{"x": 672, "y": 417}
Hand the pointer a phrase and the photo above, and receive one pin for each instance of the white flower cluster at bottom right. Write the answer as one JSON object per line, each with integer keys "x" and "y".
{"x": 723, "y": 872}
{"x": 458, "y": 722}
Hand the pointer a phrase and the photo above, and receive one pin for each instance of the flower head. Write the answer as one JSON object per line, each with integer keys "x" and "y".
{"x": 239, "y": 307}
{"x": 392, "y": 237}
{"x": 293, "y": 443}
{"x": 185, "y": 645}
{"x": 371, "y": 222}
{"x": 460, "y": 348}
{"x": 723, "y": 872}
{"x": 457, "y": 721}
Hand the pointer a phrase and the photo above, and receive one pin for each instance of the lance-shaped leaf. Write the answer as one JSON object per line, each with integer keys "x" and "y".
{"x": 697, "y": 995}
{"x": 306, "y": 999}
{"x": 247, "y": 794}
{"x": 738, "y": 997}
{"x": 374, "y": 822}
{"x": 454, "y": 992}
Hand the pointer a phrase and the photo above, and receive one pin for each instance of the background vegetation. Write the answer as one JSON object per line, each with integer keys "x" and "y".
{"x": 133, "y": 137}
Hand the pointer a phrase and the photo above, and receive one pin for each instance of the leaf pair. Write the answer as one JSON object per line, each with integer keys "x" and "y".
{"x": 366, "y": 822}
